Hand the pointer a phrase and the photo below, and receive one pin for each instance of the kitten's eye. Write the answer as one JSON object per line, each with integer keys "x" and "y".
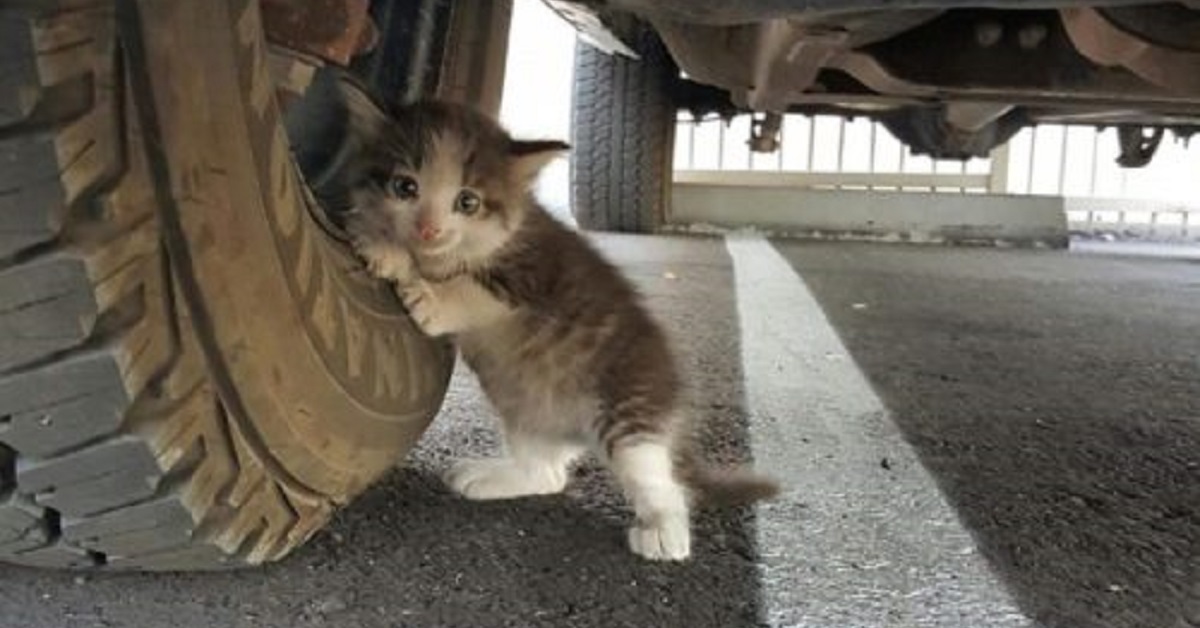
{"x": 467, "y": 202}
{"x": 403, "y": 187}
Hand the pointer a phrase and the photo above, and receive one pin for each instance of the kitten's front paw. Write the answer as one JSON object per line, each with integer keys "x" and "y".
{"x": 386, "y": 260}
{"x": 669, "y": 538}
{"x": 424, "y": 308}
{"x": 501, "y": 478}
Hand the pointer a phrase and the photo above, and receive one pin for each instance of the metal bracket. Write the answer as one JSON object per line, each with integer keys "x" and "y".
{"x": 1137, "y": 148}
{"x": 587, "y": 22}
{"x": 764, "y": 132}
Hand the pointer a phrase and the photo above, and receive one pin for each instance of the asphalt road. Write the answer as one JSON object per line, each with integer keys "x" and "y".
{"x": 990, "y": 438}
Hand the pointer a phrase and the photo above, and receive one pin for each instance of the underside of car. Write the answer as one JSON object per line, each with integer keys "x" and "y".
{"x": 950, "y": 79}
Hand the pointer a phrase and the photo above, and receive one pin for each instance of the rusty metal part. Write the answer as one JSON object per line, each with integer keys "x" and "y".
{"x": 788, "y": 58}
{"x": 973, "y": 116}
{"x": 763, "y": 64}
{"x": 727, "y": 13}
{"x": 984, "y": 62}
{"x": 333, "y": 30}
{"x": 1137, "y": 147}
{"x": 1100, "y": 40}
{"x": 764, "y": 132}
{"x": 1112, "y": 90}
{"x": 926, "y": 131}
{"x": 712, "y": 55}
{"x": 1168, "y": 25}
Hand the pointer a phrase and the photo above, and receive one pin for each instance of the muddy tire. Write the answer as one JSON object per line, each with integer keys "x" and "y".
{"x": 623, "y": 129}
{"x": 192, "y": 373}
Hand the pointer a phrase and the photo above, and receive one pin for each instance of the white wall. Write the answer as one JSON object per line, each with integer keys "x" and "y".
{"x": 537, "y": 89}
{"x": 1081, "y": 162}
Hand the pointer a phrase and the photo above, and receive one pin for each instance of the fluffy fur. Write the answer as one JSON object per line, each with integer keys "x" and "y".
{"x": 559, "y": 339}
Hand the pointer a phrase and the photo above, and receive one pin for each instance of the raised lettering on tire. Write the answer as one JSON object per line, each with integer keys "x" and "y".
{"x": 151, "y": 415}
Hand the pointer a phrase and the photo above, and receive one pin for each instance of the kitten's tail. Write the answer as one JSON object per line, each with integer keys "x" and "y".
{"x": 723, "y": 487}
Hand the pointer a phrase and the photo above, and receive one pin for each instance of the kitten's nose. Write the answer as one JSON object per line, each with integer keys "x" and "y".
{"x": 427, "y": 232}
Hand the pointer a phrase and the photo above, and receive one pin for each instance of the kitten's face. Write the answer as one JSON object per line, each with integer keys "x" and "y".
{"x": 440, "y": 179}
{"x": 440, "y": 205}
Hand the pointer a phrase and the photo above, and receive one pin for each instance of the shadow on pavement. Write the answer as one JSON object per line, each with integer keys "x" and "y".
{"x": 1056, "y": 400}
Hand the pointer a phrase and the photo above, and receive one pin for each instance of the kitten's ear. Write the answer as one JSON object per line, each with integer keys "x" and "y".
{"x": 528, "y": 157}
{"x": 366, "y": 115}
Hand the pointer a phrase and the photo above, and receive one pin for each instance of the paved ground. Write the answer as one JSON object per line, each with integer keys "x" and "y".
{"x": 990, "y": 438}
{"x": 1056, "y": 400}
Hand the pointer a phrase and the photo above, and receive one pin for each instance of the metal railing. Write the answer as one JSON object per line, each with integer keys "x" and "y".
{"x": 1159, "y": 201}
{"x": 821, "y": 152}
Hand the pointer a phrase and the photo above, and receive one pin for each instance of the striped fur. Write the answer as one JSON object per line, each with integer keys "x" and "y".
{"x": 560, "y": 340}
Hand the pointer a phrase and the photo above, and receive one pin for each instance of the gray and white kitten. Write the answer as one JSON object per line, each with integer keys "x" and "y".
{"x": 559, "y": 339}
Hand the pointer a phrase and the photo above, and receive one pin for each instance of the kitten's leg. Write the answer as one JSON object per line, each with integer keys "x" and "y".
{"x": 646, "y": 470}
{"x": 533, "y": 466}
{"x": 386, "y": 260}
{"x": 450, "y": 306}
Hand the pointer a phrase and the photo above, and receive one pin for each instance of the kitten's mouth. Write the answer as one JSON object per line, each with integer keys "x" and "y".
{"x": 435, "y": 249}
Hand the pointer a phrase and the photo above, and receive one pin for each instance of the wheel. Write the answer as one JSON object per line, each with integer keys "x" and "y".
{"x": 623, "y": 127}
{"x": 192, "y": 374}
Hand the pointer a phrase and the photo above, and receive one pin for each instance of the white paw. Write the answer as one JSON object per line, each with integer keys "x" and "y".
{"x": 423, "y": 307}
{"x": 667, "y": 539}
{"x": 386, "y": 260}
{"x": 501, "y": 478}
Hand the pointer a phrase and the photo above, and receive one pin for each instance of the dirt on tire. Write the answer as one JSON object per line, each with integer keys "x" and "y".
{"x": 193, "y": 374}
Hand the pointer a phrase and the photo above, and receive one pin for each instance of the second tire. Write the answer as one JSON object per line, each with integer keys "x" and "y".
{"x": 623, "y": 123}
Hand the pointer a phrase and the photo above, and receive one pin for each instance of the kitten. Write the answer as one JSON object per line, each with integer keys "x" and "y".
{"x": 560, "y": 342}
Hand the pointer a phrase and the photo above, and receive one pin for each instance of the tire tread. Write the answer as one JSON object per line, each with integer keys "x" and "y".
{"x": 622, "y": 123}
{"x": 114, "y": 449}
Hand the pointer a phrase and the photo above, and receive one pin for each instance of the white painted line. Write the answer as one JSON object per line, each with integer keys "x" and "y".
{"x": 849, "y": 543}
